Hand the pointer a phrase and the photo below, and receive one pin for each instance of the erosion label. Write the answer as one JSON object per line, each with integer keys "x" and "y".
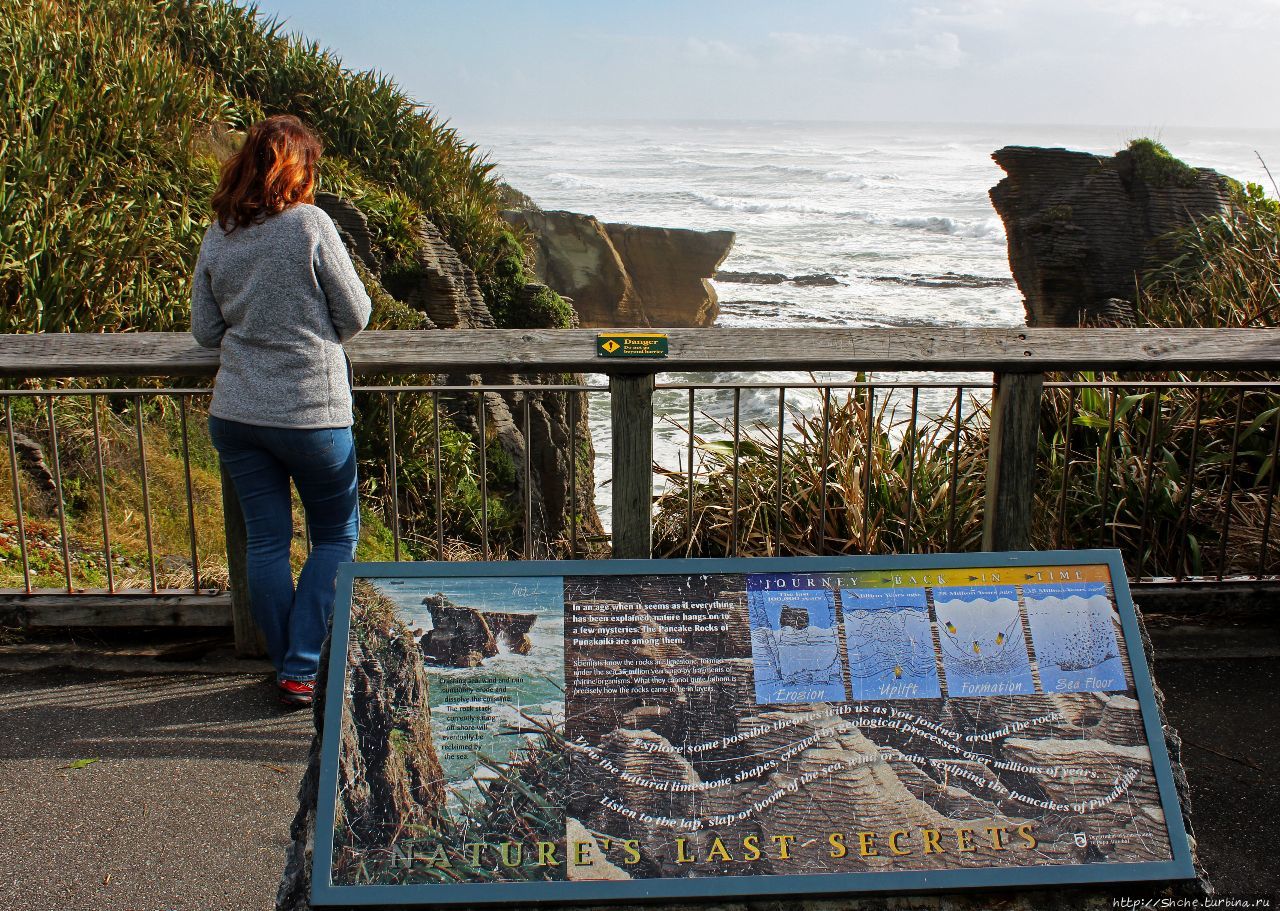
{"x": 547, "y": 731}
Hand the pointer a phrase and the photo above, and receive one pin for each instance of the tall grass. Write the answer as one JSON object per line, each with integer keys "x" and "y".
{"x": 113, "y": 117}
{"x": 104, "y": 176}
{"x": 882, "y": 485}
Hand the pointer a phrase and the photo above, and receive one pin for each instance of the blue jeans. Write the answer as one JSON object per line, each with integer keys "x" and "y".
{"x": 322, "y": 464}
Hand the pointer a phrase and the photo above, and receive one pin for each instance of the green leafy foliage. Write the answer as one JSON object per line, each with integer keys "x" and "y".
{"x": 1157, "y": 166}
{"x": 114, "y": 116}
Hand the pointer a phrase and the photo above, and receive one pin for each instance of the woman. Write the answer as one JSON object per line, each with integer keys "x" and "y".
{"x": 274, "y": 289}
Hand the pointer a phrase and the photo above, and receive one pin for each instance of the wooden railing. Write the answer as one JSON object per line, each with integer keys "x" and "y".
{"x": 1018, "y": 359}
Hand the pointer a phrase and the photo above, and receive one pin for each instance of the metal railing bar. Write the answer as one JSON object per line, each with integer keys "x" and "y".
{"x": 1153, "y": 426}
{"x": 62, "y": 500}
{"x": 911, "y": 471}
{"x": 1108, "y": 453}
{"x": 737, "y": 442}
{"x": 572, "y": 409}
{"x": 528, "y": 477}
{"x": 484, "y": 474}
{"x": 1163, "y": 384}
{"x": 832, "y": 384}
{"x": 17, "y": 497}
{"x": 1231, "y": 488}
{"x": 146, "y": 494}
{"x": 144, "y": 391}
{"x": 191, "y": 496}
{"x": 825, "y": 460}
{"x": 1271, "y": 497}
{"x": 790, "y": 384}
{"x": 102, "y": 491}
{"x": 485, "y": 387}
{"x": 439, "y": 478}
{"x": 777, "y": 525}
{"x": 689, "y": 468}
{"x": 1184, "y": 520}
{"x": 868, "y": 465}
{"x": 131, "y": 392}
{"x": 1061, "y": 530}
{"x": 955, "y": 474}
{"x": 395, "y": 474}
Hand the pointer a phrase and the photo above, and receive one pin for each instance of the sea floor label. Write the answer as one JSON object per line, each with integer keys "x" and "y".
{"x": 599, "y": 730}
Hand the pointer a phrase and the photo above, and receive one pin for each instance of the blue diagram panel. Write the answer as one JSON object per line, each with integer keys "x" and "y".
{"x": 889, "y": 640}
{"x": 1073, "y": 629}
{"x": 795, "y": 644}
{"x": 984, "y": 649}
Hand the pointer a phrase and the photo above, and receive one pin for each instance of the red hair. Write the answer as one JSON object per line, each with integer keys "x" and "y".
{"x": 274, "y": 170}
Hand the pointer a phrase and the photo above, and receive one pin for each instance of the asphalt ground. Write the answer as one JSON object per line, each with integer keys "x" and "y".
{"x": 188, "y": 803}
{"x": 187, "y": 806}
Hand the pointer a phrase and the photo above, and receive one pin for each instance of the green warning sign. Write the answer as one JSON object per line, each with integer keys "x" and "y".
{"x": 631, "y": 344}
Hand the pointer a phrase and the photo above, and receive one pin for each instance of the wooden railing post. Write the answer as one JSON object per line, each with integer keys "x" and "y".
{"x": 631, "y": 414}
{"x": 1011, "y": 467}
{"x": 249, "y": 641}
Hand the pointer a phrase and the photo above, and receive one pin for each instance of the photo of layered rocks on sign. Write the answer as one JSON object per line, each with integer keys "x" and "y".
{"x": 452, "y": 732}
{"x": 678, "y": 769}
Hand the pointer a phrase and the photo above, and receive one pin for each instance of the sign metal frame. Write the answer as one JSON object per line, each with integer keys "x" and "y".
{"x": 325, "y": 894}
{"x": 629, "y": 345}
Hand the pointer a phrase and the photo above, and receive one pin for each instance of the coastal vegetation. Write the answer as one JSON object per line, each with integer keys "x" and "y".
{"x": 115, "y": 116}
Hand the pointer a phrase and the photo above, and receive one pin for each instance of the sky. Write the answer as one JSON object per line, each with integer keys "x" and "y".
{"x": 1145, "y": 64}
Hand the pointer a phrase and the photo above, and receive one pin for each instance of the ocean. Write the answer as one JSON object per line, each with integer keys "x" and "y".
{"x": 897, "y": 213}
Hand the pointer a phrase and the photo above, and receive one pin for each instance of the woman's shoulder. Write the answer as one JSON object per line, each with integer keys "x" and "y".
{"x": 300, "y": 219}
{"x": 307, "y": 214}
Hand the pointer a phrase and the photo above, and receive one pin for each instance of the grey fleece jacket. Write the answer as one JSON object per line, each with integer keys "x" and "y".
{"x": 279, "y": 298}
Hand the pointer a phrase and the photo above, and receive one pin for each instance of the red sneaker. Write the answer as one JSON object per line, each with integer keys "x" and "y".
{"x": 297, "y": 693}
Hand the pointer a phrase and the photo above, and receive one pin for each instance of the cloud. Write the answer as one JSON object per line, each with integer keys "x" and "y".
{"x": 718, "y": 53}
{"x": 809, "y": 45}
{"x": 940, "y": 49}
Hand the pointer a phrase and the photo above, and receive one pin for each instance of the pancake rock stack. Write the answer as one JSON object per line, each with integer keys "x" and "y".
{"x": 1083, "y": 227}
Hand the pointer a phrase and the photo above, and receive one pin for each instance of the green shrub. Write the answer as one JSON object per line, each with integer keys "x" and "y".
{"x": 1157, "y": 166}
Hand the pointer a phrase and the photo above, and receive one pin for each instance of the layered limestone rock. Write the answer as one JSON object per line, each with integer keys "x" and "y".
{"x": 463, "y": 636}
{"x": 389, "y": 776}
{"x": 626, "y": 275}
{"x": 445, "y": 289}
{"x": 512, "y": 631}
{"x": 670, "y": 269}
{"x": 1082, "y": 228}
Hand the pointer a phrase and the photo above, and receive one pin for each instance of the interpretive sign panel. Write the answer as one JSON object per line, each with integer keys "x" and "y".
{"x": 641, "y": 729}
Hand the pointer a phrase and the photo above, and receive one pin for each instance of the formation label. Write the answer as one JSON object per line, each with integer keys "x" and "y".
{"x": 707, "y": 728}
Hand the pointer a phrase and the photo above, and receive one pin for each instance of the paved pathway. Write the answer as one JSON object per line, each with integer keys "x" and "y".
{"x": 189, "y": 804}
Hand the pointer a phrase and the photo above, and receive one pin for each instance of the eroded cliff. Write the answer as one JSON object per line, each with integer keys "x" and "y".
{"x": 626, "y": 275}
{"x": 446, "y": 294}
{"x": 389, "y": 776}
{"x": 1082, "y": 228}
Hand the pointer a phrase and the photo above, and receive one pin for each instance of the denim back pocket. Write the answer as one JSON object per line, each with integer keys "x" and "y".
{"x": 319, "y": 442}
